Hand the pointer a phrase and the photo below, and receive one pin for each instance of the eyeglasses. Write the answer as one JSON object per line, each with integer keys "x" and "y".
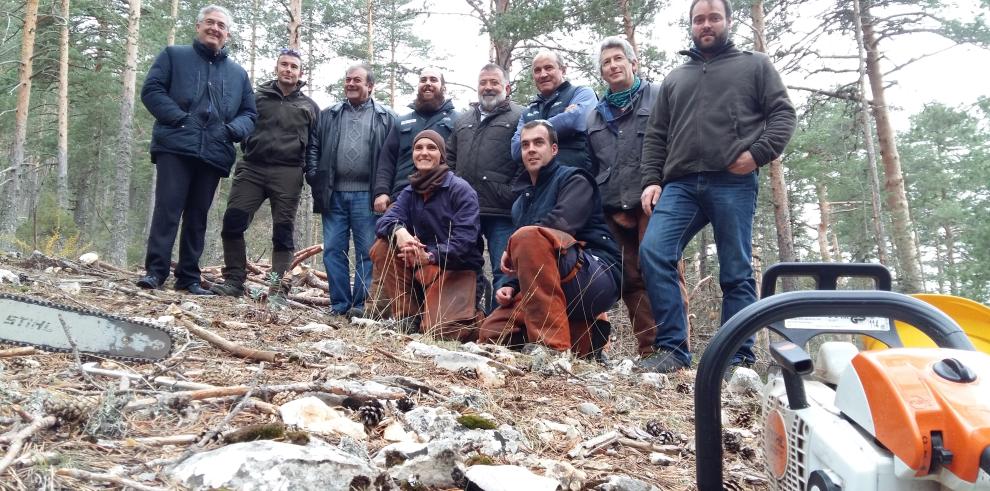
{"x": 290, "y": 52}
{"x": 215, "y": 23}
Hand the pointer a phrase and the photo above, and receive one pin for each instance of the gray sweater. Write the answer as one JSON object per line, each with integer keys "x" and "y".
{"x": 711, "y": 111}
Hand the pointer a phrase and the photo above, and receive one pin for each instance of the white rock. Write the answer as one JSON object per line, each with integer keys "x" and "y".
{"x": 267, "y": 465}
{"x": 508, "y": 478}
{"x": 364, "y": 322}
{"x": 70, "y": 287}
{"x": 658, "y": 458}
{"x": 312, "y": 414}
{"x": 313, "y": 327}
{"x": 589, "y": 409}
{"x": 599, "y": 393}
{"x": 405, "y": 450}
{"x": 396, "y": 433}
{"x": 89, "y": 258}
{"x": 7, "y": 276}
{"x": 332, "y": 347}
{"x": 625, "y": 367}
{"x": 454, "y": 361}
{"x": 433, "y": 470}
{"x": 652, "y": 379}
{"x": 570, "y": 478}
{"x": 190, "y": 306}
{"x": 619, "y": 482}
{"x": 745, "y": 381}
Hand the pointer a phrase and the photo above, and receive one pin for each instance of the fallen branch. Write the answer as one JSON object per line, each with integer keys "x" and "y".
{"x": 318, "y": 301}
{"x": 674, "y": 450}
{"x": 14, "y": 352}
{"x": 305, "y": 254}
{"x": 85, "y": 476}
{"x": 17, "y": 442}
{"x": 396, "y": 357}
{"x": 42, "y": 458}
{"x": 231, "y": 347}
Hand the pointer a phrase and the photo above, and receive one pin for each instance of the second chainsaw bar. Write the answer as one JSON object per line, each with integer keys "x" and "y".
{"x": 32, "y": 322}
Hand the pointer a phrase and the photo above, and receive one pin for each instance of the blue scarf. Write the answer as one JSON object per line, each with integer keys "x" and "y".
{"x": 621, "y": 99}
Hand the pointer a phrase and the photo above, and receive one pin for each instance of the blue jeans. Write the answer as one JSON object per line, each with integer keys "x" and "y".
{"x": 496, "y": 231}
{"x": 350, "y": 214}
{"x": 686, "y": 205}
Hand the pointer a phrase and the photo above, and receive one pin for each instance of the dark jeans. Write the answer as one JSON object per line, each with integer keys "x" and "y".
{"x": 496, "y": 231}
{"x": 184, "y": 190}
{"x": 687, "y": 204}
{"x": 350, "y": 214}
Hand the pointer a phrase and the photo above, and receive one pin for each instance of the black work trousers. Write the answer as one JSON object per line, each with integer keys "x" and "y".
{"x": 184, "y": 190}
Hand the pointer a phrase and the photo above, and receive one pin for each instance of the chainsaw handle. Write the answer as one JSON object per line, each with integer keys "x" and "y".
{"x": 826, "y": 275}
{"x": 764, "y": 313}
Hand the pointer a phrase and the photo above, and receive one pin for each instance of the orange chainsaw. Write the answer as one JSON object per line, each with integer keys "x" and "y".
{"x": 896, "y": 419}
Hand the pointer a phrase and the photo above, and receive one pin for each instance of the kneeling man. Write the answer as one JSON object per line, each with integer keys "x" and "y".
{"x": 563, "y": 264}
{"x": 428, "y": 251}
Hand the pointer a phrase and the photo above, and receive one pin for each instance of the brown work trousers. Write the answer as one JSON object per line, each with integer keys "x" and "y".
{"x": 539, "y": 311}
{"x": 445, "y": 298}
{"x": 627, "y": 229}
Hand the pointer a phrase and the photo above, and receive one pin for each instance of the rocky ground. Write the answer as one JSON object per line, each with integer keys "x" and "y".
{"x": 338, "y": 404}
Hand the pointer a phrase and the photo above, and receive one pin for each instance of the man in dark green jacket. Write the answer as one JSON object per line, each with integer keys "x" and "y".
{"x": 202, "y": 103}
{"x": 272, "y": 169}
{"x": 718, "y": 118}
{"x": 478, "y": 151}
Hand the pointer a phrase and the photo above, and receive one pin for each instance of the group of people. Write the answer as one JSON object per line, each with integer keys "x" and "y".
{"x": 578, "y": 199}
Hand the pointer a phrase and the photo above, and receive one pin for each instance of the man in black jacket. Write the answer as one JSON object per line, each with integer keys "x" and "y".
{"x": 272, "y": 169}
{"x": 202, "y": 103}
{"x": 430, "y": 111}
{"x": 718, "y": 118}
{"x": 344, "y": 148}
{"x": 478, "y": 151}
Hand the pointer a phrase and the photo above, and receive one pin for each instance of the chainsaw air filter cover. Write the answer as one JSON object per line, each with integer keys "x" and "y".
{"x": 929, "y": 407}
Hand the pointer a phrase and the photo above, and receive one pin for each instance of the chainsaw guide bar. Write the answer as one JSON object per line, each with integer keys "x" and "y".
{"x": 28, "y": 321}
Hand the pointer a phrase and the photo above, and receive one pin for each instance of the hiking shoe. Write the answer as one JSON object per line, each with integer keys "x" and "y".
{"x": 661, "y": 362}
{"x": 149, "y": 282}
{"x": 355, "y": 312}
{"x": 194, "y": 289}
{"x": 229, "y": 289}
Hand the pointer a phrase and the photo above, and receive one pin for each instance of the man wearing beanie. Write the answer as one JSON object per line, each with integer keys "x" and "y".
{"x": 272, "y": 169}
{"x": 427, "y": 253}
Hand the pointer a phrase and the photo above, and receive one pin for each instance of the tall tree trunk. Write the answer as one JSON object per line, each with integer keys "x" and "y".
{"x": 825, "y": 213}
{"x": 253, "y": 48}
{"x": 371, "y": 30}
{"x": 12, "y": 194}
{"x": 119, "y": 236}
{"x": 778, "y": 186}
{"x": 703, "y": 242}
{"x": 62, "y": 153}
{"x": 628, "y": 26}
{"x": 169, "y": 40}
{"x": 295, "y": 21}
{"x": 939, "y": 268}
{"x": 907, "y": 252}
{"x": 879, "y": 234}
{"x": 393, "y": 46}
{"x": 503, "y": 47}
{"x": 950, "y": 256}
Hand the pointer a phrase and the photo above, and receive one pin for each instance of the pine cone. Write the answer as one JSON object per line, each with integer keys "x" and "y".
{"x": 405, "y": 404}
{"x": 467, "y": 372}
{"x": 744, "y": 419}
{"x": 371, "y": 413}
{"x": 70, "y": 408}
{"x": 657, "y": 429}
{"x": 732, "y": 441}
{"x": 731, "y": 484}
{"x": 283, "y": 397}
{"x": 748, "y": 453}
{"x": 684, "y": 388}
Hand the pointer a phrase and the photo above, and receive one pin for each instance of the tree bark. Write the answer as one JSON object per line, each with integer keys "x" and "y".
{"x": 879, "y": 235}
{"x": 12, "y": 194}
{"x": 825, "y": 213}
{"x": 628, "y": 26}
{"x": 950, "y": 256}
{"x": 253, "y": 45}
{"x": 371, "y": 30}
{"x": 169, "y": 40}
{"x": 122, "y": 203}
{"x": 896, "y": 196}
{"x": 62, "y": 153}
{"x": 295, "y": 21}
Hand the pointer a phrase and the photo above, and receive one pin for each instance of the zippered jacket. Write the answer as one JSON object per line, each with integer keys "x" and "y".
{"x": 282, "y": 131}
{"x": 478, "y": 151}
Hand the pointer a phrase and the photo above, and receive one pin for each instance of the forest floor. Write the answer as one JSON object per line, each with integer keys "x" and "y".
{"x": 103, "y": 428}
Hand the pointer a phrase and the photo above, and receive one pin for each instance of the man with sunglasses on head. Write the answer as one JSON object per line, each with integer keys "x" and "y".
{"x": 272, "y": 169}
{"x": 202, "y": 103}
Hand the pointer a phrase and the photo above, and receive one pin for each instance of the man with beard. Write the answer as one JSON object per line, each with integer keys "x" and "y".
{"x": 272, "y": 169}
{"x": 718, "y": 118}
{"x": 430, "y": 111}
{"x": 478, "y": 151}
{"x": 564, "y": 105}
{"x": 202, "y": 103}
{"x": 340, "y": 167}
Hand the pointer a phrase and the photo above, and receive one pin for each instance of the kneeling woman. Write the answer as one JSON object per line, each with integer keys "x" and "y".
{"x": 428, "y": 251}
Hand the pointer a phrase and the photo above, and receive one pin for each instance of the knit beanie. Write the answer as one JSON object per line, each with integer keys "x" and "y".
{"x": 435, "y": 138}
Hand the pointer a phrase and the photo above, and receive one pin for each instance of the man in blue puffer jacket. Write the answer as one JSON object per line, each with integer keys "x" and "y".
{"x": 202, "y": 103}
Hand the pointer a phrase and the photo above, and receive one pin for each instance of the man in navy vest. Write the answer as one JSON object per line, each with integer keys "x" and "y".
{"x": 562, "y": 262}
{"x": 202, "y": 103}
{"x": 565, "y": 106}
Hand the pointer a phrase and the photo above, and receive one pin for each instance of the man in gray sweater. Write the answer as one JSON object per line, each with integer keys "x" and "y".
{"x": 718, "y": 118}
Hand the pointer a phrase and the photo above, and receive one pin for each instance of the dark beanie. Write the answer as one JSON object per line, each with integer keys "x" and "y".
{"x": 435, "y": 138}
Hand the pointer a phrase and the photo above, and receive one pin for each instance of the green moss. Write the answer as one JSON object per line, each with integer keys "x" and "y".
{"x": 270, "y": 431}
{"x": 474, "y": 422}
{"x": 479, "y": 460}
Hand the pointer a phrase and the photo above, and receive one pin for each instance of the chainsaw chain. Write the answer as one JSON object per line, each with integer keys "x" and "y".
{"x": 92, "y": 313}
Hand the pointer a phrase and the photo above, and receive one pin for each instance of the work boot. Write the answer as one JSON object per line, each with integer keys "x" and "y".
{"x": 229, "y": 288}
{"x": 234, "y": 263}
{"x": 601, "y": 330}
